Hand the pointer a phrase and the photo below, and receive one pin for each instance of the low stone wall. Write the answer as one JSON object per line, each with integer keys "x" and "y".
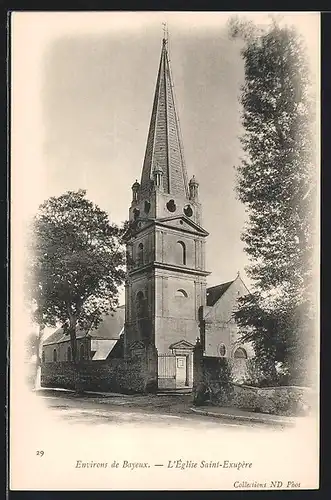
{"x": 131, "y": 375}
{"x": 283, "y": 400}
{"x": 213, "y": 383}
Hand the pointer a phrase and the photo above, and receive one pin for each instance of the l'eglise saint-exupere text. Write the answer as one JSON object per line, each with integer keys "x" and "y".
{"x": 224, "y": 464}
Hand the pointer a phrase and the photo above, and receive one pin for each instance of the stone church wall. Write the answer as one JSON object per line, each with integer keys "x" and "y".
{"x": 217, "y": 333}
{"x": 171, "y": 252}
{"x": 178, "y": 298}
{"x": 61, "y": 349}
{"x": 219, "y": 330}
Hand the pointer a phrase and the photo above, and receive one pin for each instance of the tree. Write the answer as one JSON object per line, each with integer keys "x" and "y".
{"x": 76, "y": 264}
{"x": 34, "y": 303}
{"x": 32, "y": 347}
{"x": 276, "y": 181}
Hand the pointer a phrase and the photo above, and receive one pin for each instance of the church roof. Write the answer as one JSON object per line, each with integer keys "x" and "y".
{"x": 110, "y": 328}
{"x": 164, "y": 150}
{"x": 214, "y": 293}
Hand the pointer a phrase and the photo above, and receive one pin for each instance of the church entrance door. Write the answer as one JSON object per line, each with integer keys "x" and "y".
{"x": 181, "y": 371}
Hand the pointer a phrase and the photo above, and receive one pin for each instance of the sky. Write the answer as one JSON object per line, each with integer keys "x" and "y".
{"x": 82, "y": 93}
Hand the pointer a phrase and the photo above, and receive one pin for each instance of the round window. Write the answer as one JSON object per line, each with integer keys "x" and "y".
{"x": 171, "y": 206}
{"x": 188, "y": 211}
{"x": 222, "y": 350}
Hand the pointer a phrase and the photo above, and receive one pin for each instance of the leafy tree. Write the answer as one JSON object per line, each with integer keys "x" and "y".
{"x": 76, "y": 264}
{"x": 276, "y": 181}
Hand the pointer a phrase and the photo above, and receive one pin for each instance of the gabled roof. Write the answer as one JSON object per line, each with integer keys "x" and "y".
{"x": 110, "y": 328}
{"x": 214, "y": 293}
{"x": 183, "y": 223}
{"x": 137, "y": 344}
{"x": 59, "y": 336}
{"x": 182, "y": 344}
{"x": 164, "y": 151}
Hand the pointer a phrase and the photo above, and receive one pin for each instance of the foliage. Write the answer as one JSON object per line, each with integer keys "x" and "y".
{"x": 218, "y": 378}
{"x": 76, "y": 263}
{"x": 201, "y": 394}
{"x": 262, "y": 374}
{"x": 277, "y": 183}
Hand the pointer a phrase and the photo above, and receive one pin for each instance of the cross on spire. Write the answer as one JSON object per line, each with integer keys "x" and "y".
{"x": 165, "y": 32}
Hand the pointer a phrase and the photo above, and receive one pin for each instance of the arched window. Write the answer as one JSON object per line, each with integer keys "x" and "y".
{"x": 54, "y": 355}
{"x": 43, "y": 356}
{"x": 222, "y": 350}
{"x": 240, "y": 353}
{"x": 82, "y": 352}
{"x": 140, "y": 254}
{"x": 69, "y": 353}
{"x": 181, "y": 293}
{"x": 140, "y": 304}
{"x": 182, "y": 249}
{"x": 129, "y": 261}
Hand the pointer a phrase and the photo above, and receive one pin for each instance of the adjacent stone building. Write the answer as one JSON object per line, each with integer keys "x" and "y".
{"x": 219, "y": 331}
{"x": 97, "y": 344}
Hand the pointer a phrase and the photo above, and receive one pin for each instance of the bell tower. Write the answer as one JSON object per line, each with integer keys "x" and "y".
{"x": 166, "y": 273}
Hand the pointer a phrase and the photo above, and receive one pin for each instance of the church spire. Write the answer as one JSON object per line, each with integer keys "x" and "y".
{"x": 164, "y": 149}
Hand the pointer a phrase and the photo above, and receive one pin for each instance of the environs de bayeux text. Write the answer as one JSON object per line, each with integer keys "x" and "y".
{"x": 170, "y": 464}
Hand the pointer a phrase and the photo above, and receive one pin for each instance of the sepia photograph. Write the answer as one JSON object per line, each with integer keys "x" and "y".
{"x": 165, "y": 227}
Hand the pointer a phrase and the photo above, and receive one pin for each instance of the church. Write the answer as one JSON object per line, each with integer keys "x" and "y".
{"x": 167, "y": 300}
{"x": 167, "y": 303}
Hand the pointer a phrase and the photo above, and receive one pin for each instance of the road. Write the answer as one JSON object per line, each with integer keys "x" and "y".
{"x": 145, "y": 410}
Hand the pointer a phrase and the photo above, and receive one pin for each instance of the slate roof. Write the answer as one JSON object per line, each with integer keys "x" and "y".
{"x": 214, "y": 293}
{"x": 110, "y": 328}
{"x": 164, "y": 148}
{"x": 102, "y": 349}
